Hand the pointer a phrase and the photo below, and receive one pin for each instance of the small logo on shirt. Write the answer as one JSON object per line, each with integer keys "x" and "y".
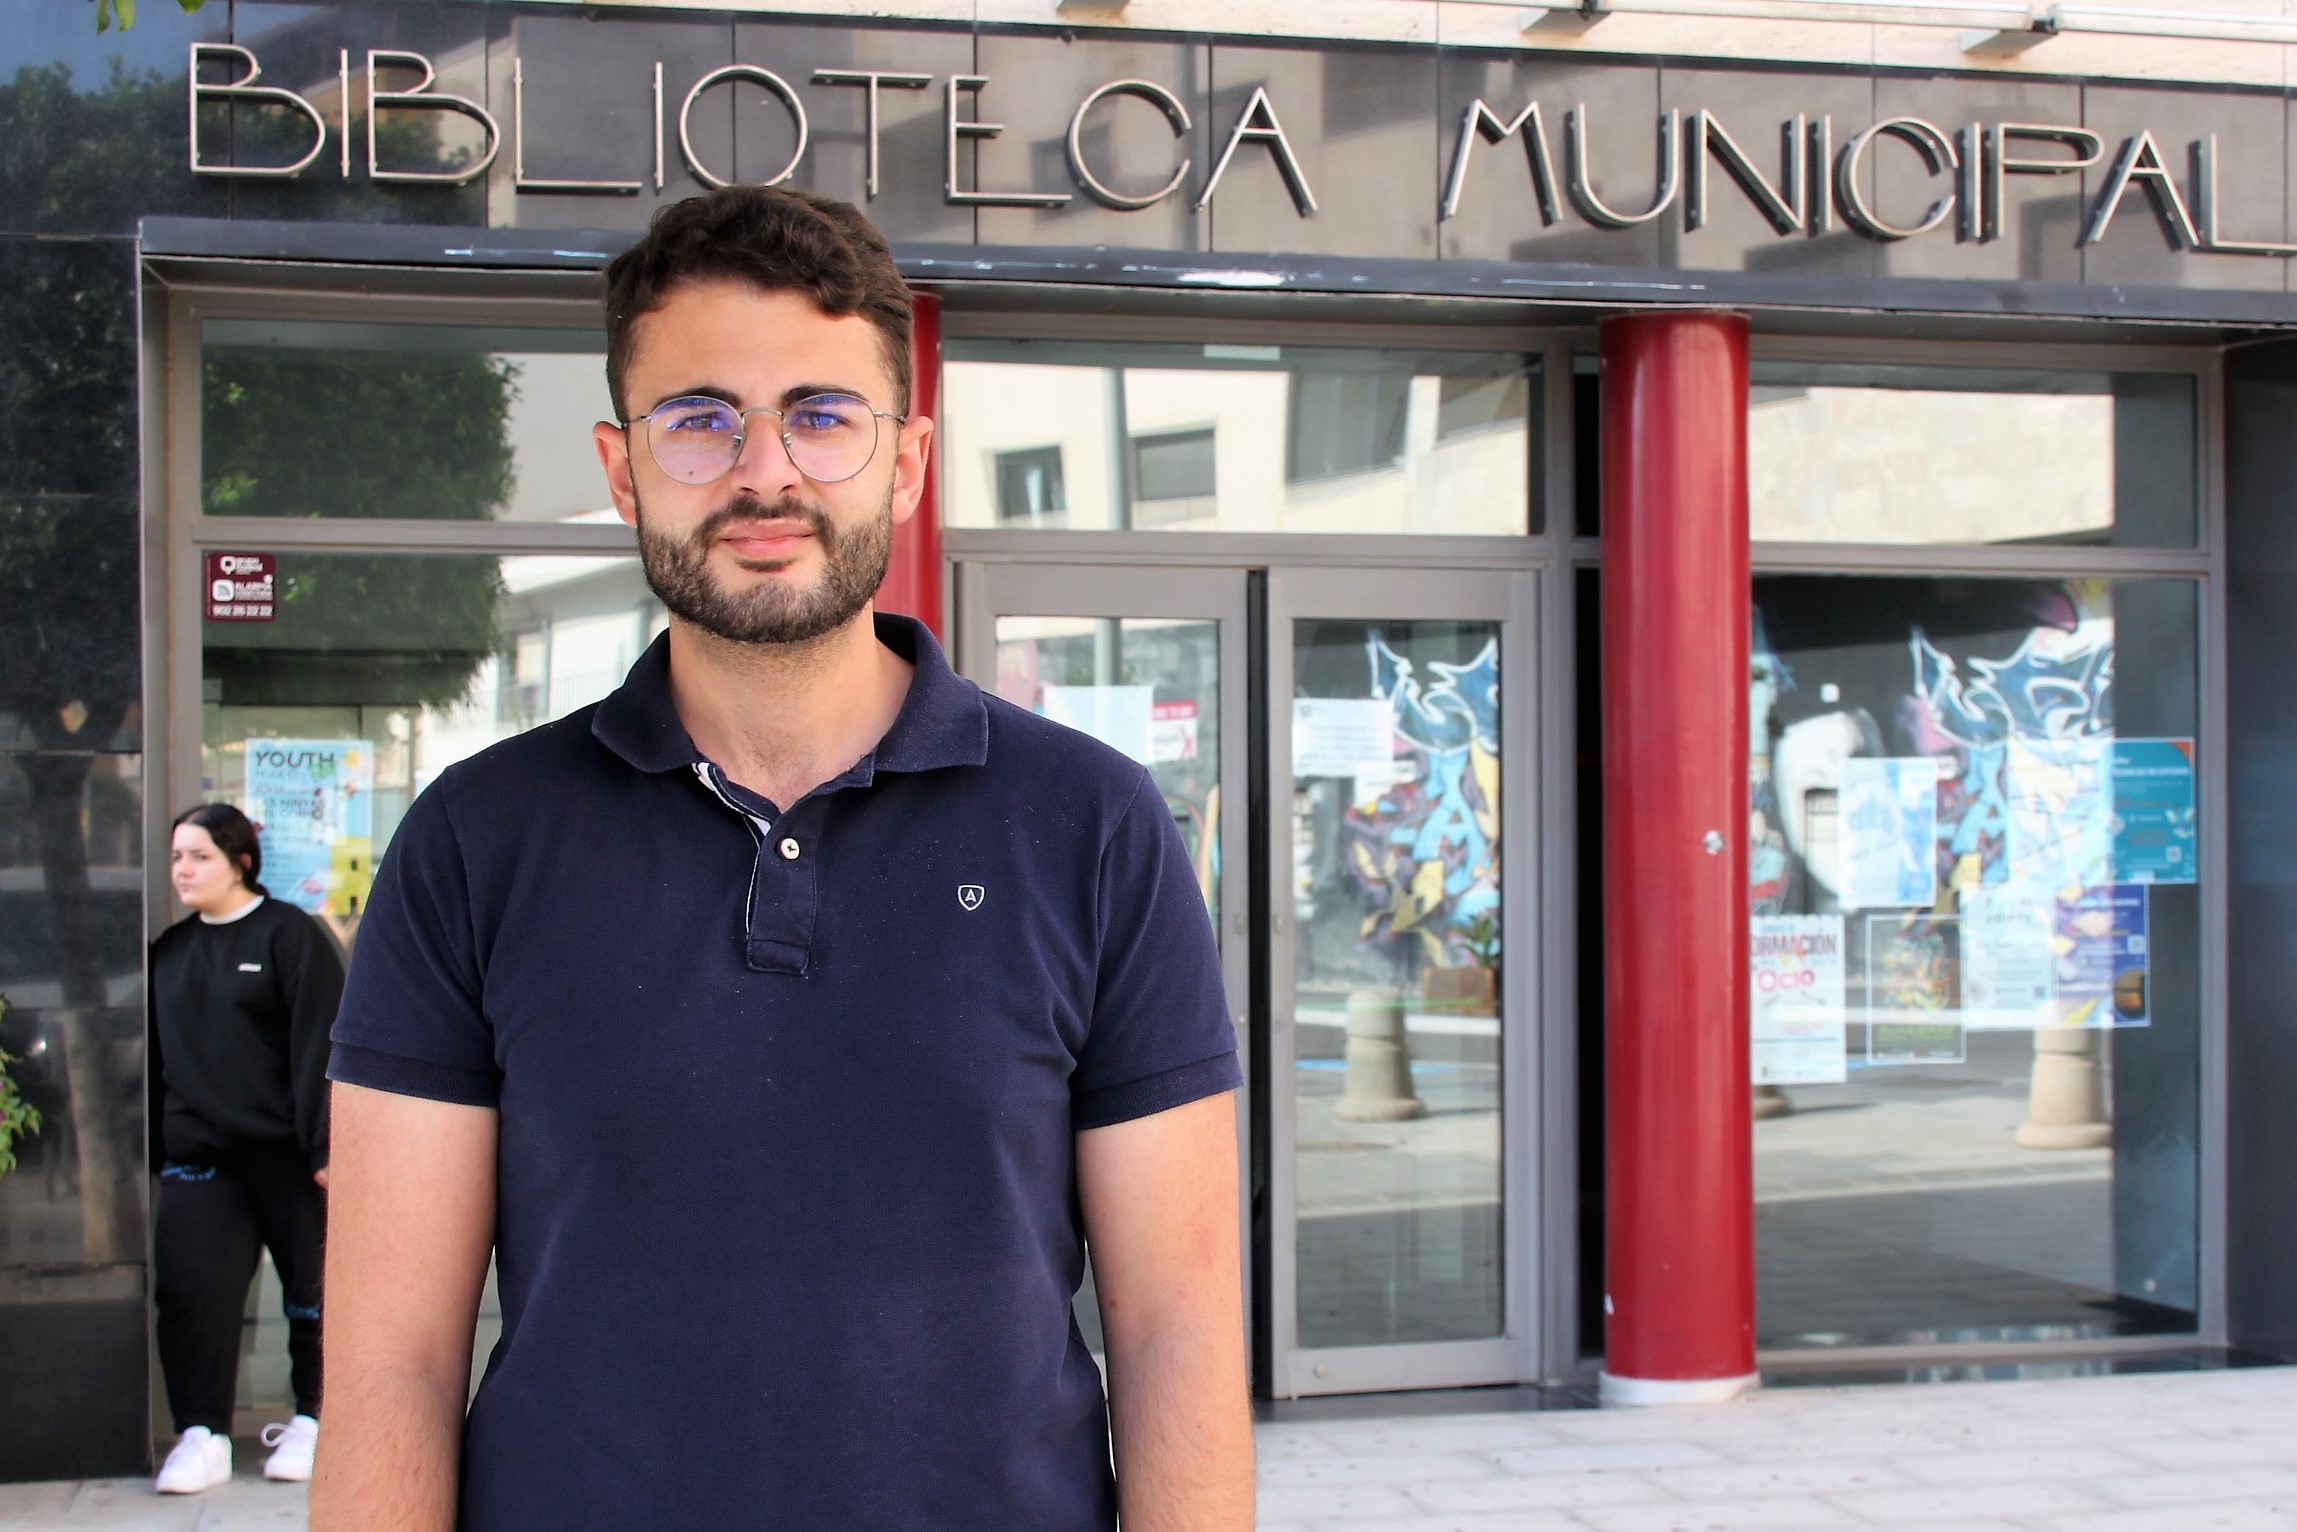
{"x": 970, "y": 895}
{"x": 251, "y": 968}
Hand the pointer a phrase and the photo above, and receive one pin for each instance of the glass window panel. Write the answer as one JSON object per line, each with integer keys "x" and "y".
{"x": 1030, "y": 489}
{"x": 1149, "y": 686}
{"x": 1976, "y": 958}
{"x": 430, "y": 422}
{"x": 1396, "y": 898}
{"x": 1237, "y": 438}
{"x": 382, "y": 671}
{"x": 1880, "y": 454}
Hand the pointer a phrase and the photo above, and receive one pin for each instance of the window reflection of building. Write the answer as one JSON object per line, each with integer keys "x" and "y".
{"x": 1191, "y": 438}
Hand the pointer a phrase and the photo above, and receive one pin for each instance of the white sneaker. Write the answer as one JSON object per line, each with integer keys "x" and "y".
{"x": 200, "y": 1460}
{"x": 292, "y": 1444}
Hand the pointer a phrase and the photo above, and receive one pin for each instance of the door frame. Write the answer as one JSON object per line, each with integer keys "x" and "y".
{"x": 988, "y": 590}
{"x": 1510, "y": 599}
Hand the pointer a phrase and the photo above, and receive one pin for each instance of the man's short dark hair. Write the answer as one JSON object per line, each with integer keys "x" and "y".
{"x": 776, "y": 239}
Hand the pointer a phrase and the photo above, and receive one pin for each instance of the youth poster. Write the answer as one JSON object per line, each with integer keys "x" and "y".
{"x": 313, "y": 801}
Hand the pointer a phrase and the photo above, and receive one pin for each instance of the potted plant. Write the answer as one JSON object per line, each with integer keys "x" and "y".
{"x": 18, "y": 1117}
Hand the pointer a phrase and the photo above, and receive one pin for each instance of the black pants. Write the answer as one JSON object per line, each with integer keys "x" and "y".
{"x": 212, "y": 1221}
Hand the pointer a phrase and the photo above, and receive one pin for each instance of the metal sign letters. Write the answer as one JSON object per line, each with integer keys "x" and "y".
{"x": 1820, "y": 179}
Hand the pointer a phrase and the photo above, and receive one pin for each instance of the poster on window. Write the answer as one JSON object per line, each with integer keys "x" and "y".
{"x": 1117, "y": 716}
{"x": 2009, "y": 958}
{"x": 2153, "y": 811}
{"x": 2061, "y": 812}
{"x": 313, "y": 801}
{"x": 1332, "y": 736}
{"x": 1889, "y": 829}
{"x": 2103, "y": 965}
{"x": 1913, "y": 989}
{"x": 1795, "y": 973}
{"x": 1172, "y": 732}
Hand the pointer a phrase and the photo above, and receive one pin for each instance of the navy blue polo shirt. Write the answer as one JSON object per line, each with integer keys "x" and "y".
{"x": 788, "y": 1223}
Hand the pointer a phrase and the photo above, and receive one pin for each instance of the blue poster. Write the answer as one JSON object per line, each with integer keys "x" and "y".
{"x": 313, "y": 803}
{"x": 2153, "y": 817}
{"x": 1889, "y": 820}
{"x": 2103, "y": 968}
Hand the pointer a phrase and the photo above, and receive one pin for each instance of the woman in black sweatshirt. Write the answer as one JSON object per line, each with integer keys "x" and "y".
{"x": 242, "y": 996}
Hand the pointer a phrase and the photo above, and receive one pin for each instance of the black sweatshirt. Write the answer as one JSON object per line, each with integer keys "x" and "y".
{"x": 239, "y": 1017}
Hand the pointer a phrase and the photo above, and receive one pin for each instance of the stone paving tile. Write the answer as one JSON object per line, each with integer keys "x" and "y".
{"x": 1550, "y": 1490}
{"x": 1784, "y": 1514}
{"x": 1941, "y": 1502}
{"x": 1411, "y": 1468}
{"x": 1305, "y": 1502}
{"x": 2222, "y": 1451}
{"x": 1746, "y": 1481}
{"x": 1823, "y": 1443}
{"x": 36, "y": 1499}
{"x": 1613, "y": 1455}
{"x": 2202, "y": 1484}
{"x": 1963, "y": 1467}
{"x": 2233, "y": 1517}
{"x": 1472, "y": 1521}
{"x": 1458, "y": 1433}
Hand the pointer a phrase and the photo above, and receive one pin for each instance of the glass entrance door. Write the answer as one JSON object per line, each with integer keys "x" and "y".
{"x": 1400, "y": 968}
{"x": 1392, "y": 1244}
{"x": 1151, "y": 662}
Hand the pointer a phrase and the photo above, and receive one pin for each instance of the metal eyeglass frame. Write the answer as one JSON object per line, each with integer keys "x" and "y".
{"x": 742, "y": 437}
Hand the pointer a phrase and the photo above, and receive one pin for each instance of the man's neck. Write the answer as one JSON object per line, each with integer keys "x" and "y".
{"x": 781, "y": 719}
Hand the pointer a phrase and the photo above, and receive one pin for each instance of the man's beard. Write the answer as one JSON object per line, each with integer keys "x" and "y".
{"x": 853, "y": 565}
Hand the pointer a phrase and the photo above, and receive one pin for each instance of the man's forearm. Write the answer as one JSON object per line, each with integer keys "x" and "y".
{"x": 1183, "y": 1430}
{"x": 390, "y": 1455}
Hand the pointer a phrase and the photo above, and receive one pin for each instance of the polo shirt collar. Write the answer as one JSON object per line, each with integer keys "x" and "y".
{"x": 943, "y": 721}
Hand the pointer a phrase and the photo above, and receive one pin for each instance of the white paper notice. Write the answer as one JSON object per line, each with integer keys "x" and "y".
{"x": 1889, "y": 829}
{"x": 1796, "y": 972}
{"x": 1332, "y": 735}
{"x": 2009, "y": 982}
{"x": 1117, "y": 716}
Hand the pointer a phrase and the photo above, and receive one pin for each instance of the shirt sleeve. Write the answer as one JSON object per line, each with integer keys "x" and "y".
{"x": 1160, "y": 1035}
{"x": 311, "y": 981}
{"x": 412, "y": 1020}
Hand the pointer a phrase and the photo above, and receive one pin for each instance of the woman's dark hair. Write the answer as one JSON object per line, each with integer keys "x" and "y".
{"x": 233, "y": 835}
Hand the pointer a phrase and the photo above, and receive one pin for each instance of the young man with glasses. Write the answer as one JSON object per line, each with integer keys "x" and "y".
{"x": 783, "y": 1024}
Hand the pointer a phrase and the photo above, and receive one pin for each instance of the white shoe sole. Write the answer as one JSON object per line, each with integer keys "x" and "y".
{"x": 287, "y": 1475}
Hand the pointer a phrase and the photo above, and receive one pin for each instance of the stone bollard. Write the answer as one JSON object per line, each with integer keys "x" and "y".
{"x": 1771, "y": 1102}
{"x": 1379, "y": 1081}
{"x": 2067, "y": 1106}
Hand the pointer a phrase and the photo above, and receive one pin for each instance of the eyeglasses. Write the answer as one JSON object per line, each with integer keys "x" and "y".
{"x": 698, "y": 440}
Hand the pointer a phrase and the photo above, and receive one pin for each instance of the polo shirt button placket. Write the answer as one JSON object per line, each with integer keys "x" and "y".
{"x": 789, "y": 849}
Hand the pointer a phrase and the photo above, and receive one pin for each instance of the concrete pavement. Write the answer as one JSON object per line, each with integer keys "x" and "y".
{"x": 2211, "y": 1451}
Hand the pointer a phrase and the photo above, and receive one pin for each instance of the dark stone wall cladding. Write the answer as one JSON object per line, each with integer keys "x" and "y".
{"x": 90, "y": 140}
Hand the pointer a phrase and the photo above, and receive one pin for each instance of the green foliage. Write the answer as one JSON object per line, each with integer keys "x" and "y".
{"x": 123, "y": 12}
{"x": 18, "y": 1118}
{"x": 296, "y": 432}
{"x": 418, "y": 435}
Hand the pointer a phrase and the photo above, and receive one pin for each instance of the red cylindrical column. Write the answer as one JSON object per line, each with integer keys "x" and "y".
{"x": 1678, "y": 1153}
{"x": 913, "y": 576}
